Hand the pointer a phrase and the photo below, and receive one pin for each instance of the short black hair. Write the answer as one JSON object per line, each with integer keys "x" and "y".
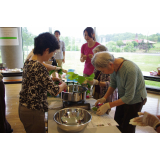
{"x": 44, "y": 41}
{"x": 57, "y": 31}
{"x": 90, "y": 31}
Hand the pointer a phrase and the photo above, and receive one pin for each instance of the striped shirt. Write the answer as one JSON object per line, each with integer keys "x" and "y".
{"x": 130, "y": 83}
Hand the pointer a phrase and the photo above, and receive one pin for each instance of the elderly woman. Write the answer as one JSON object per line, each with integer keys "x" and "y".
{"x": 36, "y": 82}
{"x": 101, "y": 81}
{"x": 128, "y": 78}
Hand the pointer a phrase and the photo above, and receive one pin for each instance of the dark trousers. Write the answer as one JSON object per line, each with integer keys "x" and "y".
{"x": 5, "y": 127}
{"x": 126, "y": 112}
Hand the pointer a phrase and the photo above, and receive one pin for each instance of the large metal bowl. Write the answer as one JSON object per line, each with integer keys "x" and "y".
{"x": 72, "y": 119}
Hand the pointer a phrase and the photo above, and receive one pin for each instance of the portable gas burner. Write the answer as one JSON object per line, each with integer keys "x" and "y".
{"x": 79, "y": 104}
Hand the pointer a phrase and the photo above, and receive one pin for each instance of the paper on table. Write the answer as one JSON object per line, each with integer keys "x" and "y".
{"x": 55, "y": 105}
{"x": 91, "y": 101}
{"x": 104, "y": 120}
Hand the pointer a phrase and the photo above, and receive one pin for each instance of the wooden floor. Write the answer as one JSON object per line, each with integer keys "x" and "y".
{"x": 12, "y": 102}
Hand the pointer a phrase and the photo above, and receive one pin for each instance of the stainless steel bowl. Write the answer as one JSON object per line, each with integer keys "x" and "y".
{"x": 72, "y": 119}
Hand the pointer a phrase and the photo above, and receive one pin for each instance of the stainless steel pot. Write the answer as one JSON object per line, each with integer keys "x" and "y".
{"x": 73, "y": 96}
{"x": 74, "y": 93}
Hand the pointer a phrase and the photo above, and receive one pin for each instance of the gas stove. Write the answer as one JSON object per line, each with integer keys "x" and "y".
{"x": 79, "y": 104}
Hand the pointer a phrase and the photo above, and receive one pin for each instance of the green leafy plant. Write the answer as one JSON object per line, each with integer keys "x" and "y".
{"x": 81, "y": 79}
{"x": 59, "y": 72}
{"x": 94, "y": 108}
{"x": 91, "y": 77}
{"x": 50, "y": 72}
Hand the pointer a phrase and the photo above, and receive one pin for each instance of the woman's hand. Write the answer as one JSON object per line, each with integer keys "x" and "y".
{"x": 93, "y": 82}
{"x": 56, "y": 79}
{"x": 84, "y": 57}
{"x": 57, "y": 68}
{"x": 90, "y": 56}
{"x": 145, "y": 119}
{"x": 64, "y": 71}
{"x": 103, "y": 109}
{"x": 101, "y": 101}
{"x": 63, "y": 86}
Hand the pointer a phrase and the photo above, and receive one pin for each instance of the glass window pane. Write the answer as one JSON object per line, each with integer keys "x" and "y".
{"x": 0, "y": 56}
{"x": 28, "y": 35}
{"x": 73, "y": 39}
{"x": 141, "y": 45}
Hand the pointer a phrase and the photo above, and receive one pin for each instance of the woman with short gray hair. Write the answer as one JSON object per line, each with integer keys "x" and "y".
{"x": 128, "y": 78}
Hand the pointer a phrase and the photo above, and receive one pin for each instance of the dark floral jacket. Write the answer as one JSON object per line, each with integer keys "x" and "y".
{"x": 35, "y": 84}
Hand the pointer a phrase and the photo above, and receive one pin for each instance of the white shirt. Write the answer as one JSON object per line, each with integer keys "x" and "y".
{"x": 59, "y": 52}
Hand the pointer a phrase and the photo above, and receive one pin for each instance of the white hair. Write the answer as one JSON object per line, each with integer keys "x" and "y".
{"x": 102, "y": 59}
{"x": 99, "y": 48}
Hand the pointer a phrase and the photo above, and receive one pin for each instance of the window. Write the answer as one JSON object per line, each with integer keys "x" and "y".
{"x": 0, "y": 56}
{"x": 28, "y": 34}
{"x": 73, "y": 38}
{"x": 141, "y": 45}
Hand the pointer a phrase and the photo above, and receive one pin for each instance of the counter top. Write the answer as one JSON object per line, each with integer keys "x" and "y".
{"x": 11, "y": 74}
{"x": 56, "y": 103}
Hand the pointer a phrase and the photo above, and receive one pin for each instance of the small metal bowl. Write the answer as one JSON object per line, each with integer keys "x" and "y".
{"x": 72, "y": 119}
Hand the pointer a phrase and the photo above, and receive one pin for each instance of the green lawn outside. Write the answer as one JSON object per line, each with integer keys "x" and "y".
{"x": 156, "y": 48}
{"x": 157, "y": 45}
{"x": 145, "y": 62}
